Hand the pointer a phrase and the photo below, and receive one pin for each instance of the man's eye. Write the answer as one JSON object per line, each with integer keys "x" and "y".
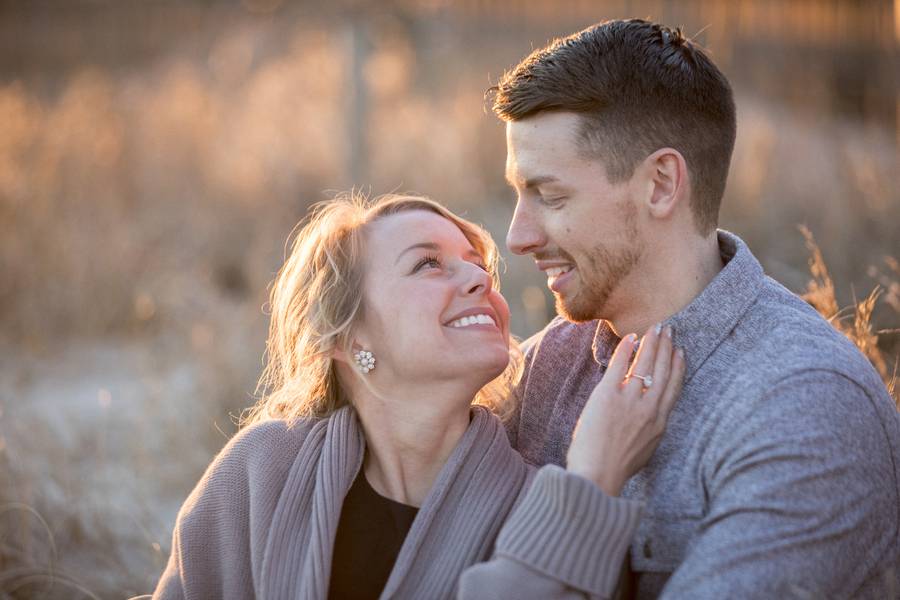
{"x": 553, "y": 200}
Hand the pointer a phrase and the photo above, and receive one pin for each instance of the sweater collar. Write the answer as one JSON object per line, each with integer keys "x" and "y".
{"x": 704, "y": 323}
{"x": 465, "y": 507}
{"x": 474, "y": 491}
{"x": 300, "y": 541}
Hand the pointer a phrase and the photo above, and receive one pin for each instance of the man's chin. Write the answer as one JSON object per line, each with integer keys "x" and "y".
{"x": 575, "y": 311}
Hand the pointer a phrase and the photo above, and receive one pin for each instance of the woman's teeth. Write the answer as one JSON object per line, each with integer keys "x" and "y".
{"x": 473, "y": 320}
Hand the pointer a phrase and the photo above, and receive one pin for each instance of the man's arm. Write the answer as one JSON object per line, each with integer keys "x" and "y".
{"x": 803, "y": 498}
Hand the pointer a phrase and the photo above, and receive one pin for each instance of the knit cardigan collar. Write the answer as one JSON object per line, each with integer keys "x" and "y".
{"x": 455, "y": 527}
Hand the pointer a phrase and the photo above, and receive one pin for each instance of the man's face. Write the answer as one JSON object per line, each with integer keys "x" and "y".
{"x": 582, "y": 230}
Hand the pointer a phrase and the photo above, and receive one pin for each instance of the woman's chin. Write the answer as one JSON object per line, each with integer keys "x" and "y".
{"x": 477, "y": 369}
{"x": 494, "y": 366}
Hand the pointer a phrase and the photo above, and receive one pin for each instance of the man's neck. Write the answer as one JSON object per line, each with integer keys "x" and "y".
{"x": 667, "y": 286}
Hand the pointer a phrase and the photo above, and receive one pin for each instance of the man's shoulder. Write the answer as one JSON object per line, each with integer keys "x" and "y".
{"x": 766, "y": 330}
{"x": 784, "y": 335}
{"x": 783, "y": 358}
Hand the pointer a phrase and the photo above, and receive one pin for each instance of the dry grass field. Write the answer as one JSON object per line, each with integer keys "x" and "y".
{"x": 154, "y": 158}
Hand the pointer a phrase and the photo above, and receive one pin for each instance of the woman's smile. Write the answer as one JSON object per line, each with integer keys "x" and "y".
{"x": 432, "y": 275}
{"x": 481, "y": 318}
{"x": 478, "y": 321}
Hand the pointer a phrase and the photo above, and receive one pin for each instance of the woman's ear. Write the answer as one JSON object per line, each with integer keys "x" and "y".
{"x": 667, "y": 177}
{"x": 343, "y": 356}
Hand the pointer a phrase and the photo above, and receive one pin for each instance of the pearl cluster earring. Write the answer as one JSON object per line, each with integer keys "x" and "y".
{"x": 365, "y": 362}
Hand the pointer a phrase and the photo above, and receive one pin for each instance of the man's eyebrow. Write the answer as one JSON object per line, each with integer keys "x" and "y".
{"x": 532, "y": 182}
{"x": 436, "y": 247}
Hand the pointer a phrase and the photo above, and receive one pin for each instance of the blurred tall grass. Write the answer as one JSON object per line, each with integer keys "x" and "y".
{"x": 155, "y": 156}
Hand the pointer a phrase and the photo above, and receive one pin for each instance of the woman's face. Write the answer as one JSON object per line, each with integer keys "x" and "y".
{"x": 431, "y": 312}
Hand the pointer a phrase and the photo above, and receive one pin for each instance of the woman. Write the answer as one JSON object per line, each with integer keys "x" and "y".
{"x": 375, "y": 463}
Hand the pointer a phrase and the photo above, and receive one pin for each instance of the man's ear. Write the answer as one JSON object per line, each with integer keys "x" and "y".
{"x": 667, "y": 176}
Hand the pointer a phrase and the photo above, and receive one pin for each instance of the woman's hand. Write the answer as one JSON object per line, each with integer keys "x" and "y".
{"x": 624, "y": 418}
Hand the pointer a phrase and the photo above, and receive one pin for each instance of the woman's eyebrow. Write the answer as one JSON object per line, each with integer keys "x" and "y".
{"x": 432, "y": 246}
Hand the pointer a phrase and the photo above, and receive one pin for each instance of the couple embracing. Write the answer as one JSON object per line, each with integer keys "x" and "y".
{"x": 686, "y": 427}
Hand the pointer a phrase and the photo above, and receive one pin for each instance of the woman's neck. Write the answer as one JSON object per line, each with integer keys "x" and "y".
{"x": 407, "y": 444}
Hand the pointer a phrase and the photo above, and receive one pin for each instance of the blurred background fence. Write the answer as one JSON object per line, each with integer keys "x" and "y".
{"x": 154, "y": 156}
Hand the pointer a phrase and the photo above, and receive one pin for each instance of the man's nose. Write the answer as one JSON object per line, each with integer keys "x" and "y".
{"x": 524, "y": 235}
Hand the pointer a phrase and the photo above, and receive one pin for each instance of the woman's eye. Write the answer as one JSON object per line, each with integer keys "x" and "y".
{"x": 428, "y": 261}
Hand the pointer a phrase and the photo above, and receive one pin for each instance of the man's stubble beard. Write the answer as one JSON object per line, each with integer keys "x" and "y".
{"x": 608, "y": 267}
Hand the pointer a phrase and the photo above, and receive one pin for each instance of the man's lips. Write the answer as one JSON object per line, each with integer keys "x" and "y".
{"x": 558, "y": 273}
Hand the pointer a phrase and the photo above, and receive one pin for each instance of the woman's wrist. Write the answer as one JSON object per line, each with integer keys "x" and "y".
{"x": 610, "y": 484}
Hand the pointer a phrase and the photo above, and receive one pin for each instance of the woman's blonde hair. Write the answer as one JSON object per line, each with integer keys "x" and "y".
{"x": 316, "y": 301}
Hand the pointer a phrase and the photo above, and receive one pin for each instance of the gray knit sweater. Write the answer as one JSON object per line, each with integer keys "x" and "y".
{"x": 779, "y": 473}
{"x": 262, "y": 521}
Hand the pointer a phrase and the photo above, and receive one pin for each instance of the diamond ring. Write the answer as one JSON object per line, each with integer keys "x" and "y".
{"x": 646, "y": 380}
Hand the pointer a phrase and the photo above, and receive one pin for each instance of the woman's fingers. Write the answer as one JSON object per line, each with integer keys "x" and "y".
{"x": 643, "y": 362}
{"x": 673, "y": 386}
{"x": 616, "y": 433}
{"x": 662, "y": 365}
{"x": 618, "y": 364}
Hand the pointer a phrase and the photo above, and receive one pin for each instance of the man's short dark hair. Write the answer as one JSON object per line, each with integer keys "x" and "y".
{"x": 638, "y": 87}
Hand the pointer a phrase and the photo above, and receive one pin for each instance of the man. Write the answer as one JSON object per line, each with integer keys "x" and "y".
{"x": 778, "y": 473}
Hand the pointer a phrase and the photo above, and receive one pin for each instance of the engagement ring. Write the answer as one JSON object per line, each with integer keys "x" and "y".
{"x": 646, "y": 380}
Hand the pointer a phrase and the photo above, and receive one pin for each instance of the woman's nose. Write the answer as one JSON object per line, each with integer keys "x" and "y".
{"x": 477, "y": 280}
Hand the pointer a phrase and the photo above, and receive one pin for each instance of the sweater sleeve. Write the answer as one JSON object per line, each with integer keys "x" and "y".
{"x": 211, "y": 545}
{"x": 565, "y": 540}
{"x": 170, "y": 586}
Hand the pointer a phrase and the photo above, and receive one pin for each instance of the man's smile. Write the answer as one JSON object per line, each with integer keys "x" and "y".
{"x": 558, "y": 273}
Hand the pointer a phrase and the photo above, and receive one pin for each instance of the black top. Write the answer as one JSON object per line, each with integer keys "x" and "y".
{"x": 369, "y": 536}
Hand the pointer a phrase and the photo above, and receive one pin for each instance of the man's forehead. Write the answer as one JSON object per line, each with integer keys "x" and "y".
{"x": 547, "y": 127}
{"x": 540, "y": 146}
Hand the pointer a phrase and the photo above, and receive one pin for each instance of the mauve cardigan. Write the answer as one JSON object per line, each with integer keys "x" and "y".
{"x": 262, "y": 521}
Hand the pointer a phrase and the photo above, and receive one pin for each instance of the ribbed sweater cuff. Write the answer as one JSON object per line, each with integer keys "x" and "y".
{"x": 567, "y": 528}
